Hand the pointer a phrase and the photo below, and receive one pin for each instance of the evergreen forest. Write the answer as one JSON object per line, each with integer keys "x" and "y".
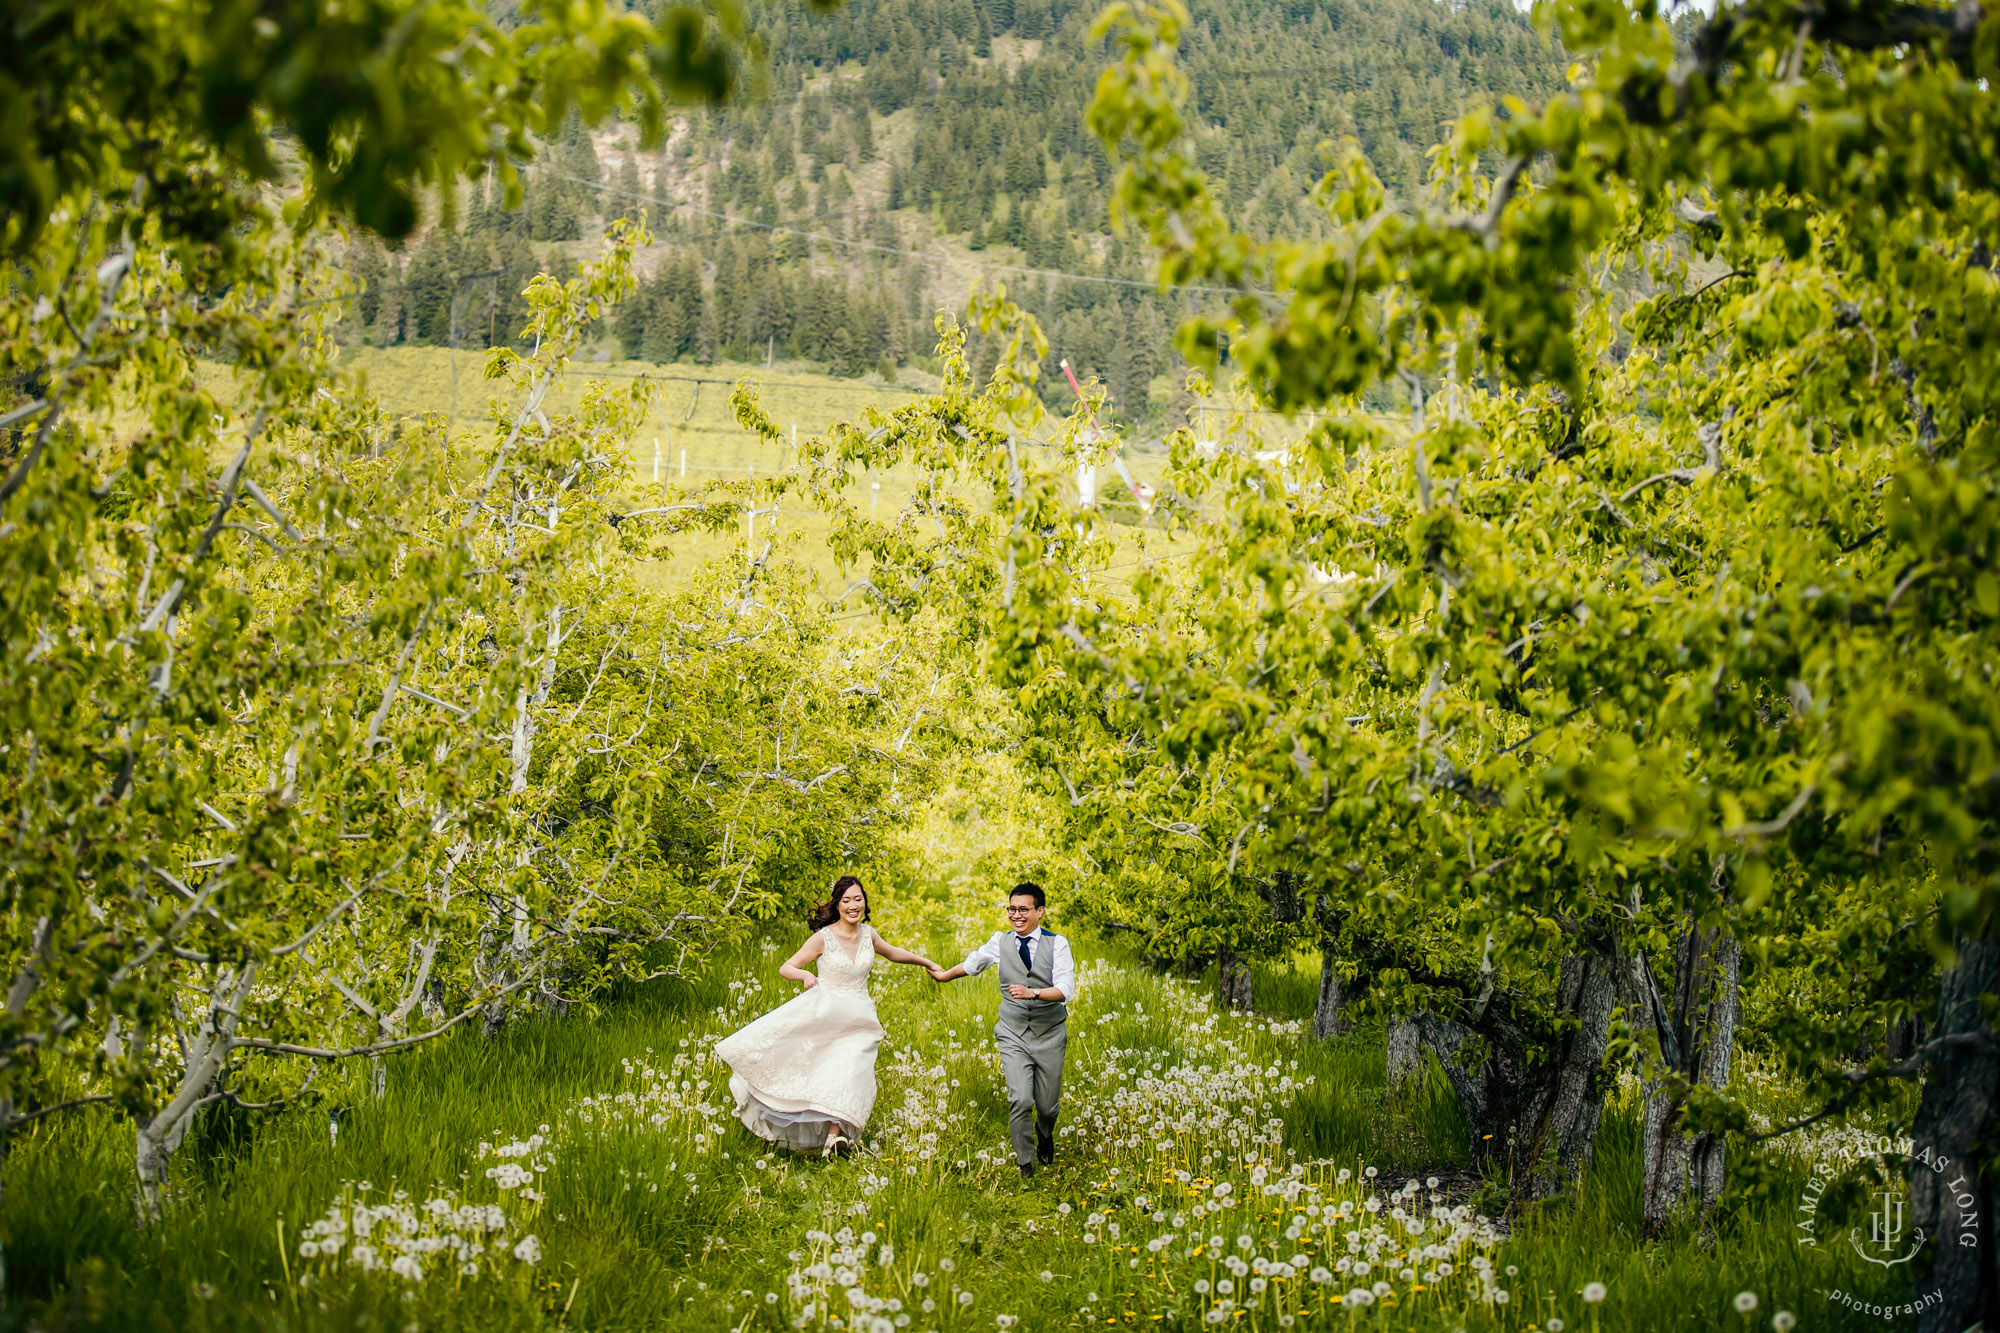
{"x": 892, "y": 155}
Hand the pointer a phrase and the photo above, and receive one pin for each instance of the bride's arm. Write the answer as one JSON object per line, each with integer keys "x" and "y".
{"x": 895, "y": 955}
{"x": 793, "y": 970}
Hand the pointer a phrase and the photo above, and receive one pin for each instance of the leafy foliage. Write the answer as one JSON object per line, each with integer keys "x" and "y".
{"x": 377, "y": 99}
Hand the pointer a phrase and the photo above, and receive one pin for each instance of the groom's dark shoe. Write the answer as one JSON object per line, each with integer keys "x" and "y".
{"x": 1027, "y": 1170}
{"x": 1045, "y": 1149}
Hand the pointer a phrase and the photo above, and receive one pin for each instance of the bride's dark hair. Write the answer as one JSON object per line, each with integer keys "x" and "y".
{"x": 821, "y": 915}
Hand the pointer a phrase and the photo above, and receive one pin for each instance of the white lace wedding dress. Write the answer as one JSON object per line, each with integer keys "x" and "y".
{"x": 811, "y": 1061}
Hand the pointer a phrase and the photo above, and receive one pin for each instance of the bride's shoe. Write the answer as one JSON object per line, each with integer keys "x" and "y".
{"x": 837, "y": 1146}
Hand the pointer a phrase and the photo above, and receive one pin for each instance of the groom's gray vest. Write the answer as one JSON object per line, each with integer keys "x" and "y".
{"x": 1034, "y": 1018}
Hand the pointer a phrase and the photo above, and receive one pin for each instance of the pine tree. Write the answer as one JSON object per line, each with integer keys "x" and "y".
{"x": 860, "y": 135}
{"x": 841, "y": 357}
{"x": 428, "y": 289}
{"x": 388, "y": 326}
{"x": 364, "y": 264}
{"x": 705, "y": 344}
{"x": 577, "y": 154}
{"x": 637, "y": 317}
{"x": 515, "y": 259}
{"x": 630, "y": 197}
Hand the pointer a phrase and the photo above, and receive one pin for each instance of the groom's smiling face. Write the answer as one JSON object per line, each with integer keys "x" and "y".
{"x": 1023, "y": 915}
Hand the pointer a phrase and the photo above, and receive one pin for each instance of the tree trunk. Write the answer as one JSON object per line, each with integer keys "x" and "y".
{"x": 1532, "y": 1106}
{"x": 514, "y": 919}
{"x": 1697, "y": 1036}
{"x": 156, "y": 1137}
{"x": 510, "y": 960}
{"x": 1405, "y": 1070}
{"x": 1958, "y": 1120}
{"x": 1905, "y": 1035}
{"x": 1565, "y": 1124}
{"x": 1406, "y": 1050}
{"x": 1329, "y": 1012}
{"x": 1232, "y": 979}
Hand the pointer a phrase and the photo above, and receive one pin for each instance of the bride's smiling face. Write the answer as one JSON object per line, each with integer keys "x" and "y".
{"x": 853, "y": 904}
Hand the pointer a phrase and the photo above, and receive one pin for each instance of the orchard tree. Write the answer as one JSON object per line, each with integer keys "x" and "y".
{"x": 374, "y": 732}
{"x": 141, "y": 111}
{"x": 326, "y": 733}
{"x": 1686, "y": 612}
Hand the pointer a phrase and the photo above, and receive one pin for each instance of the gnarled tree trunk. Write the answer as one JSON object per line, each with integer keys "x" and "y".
{"x": 1408, "y": 1040}
{"x": 1959, "y": 1119}
{"x": 1329, "y": 1011}
{"x": 1532, "y": 1106}
{"x": 1904, "y": 1036}
{"x": 510, "y": 960}
{"x": 158, "y": 1136}
{"x": 1232, "y": 980}
{"x": 1697, "y": 1036}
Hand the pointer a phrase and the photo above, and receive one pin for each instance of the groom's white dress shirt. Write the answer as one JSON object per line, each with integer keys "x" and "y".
{"x": 1062, "y": 967}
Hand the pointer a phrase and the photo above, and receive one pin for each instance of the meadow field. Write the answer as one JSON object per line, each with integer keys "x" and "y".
{"x": 583, "y": 1172}
{"x": 692, "y": 438}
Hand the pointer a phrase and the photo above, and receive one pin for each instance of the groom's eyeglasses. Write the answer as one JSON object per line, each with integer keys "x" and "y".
{"x": 1019, "y": 911}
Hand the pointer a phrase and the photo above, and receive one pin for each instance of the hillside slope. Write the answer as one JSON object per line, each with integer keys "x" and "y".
{"x": 898, "y": 153}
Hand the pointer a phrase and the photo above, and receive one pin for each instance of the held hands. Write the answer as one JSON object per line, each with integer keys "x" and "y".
{"x": 936, "y": 972}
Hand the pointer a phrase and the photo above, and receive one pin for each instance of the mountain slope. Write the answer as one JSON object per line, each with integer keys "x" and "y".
{"x": 898, "y": 153}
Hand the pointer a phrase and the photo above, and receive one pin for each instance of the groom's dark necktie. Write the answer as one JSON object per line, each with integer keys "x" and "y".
{"x": 1027, "y": 954}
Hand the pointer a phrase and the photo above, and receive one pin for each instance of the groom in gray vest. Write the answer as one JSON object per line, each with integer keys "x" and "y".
{"x": 1037, "y": 982}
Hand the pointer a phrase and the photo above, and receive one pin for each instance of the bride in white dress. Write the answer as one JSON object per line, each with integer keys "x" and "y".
{"x": 804, "y": 1074}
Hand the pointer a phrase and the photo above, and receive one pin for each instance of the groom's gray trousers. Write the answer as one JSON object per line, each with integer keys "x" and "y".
{"x": 1032, "y": 1035}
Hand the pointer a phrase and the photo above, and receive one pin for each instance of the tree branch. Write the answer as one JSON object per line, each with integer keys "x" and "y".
{"x": 96, "y": 1099}
{"x": 1766, "y": 828}
{"x": 1487, "y": 225}
{"x": 231, "y": 475}
{"x": 380, "y": 1047}
{"x": 1859, "y": 1077}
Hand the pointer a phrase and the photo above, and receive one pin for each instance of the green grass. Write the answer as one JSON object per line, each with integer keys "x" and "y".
{"x": 694, "y": 418}
{"x": 667, "y": 1223}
